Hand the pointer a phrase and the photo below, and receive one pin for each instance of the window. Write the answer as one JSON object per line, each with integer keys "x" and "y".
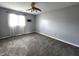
{"x": 21, "y": 21}
{"x": 16, "y": 20}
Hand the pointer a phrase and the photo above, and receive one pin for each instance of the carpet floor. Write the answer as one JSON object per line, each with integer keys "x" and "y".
{"x": 35, "y": 45}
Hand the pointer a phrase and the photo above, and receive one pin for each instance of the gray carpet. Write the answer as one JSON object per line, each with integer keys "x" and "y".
{"x": 35, "y": 45}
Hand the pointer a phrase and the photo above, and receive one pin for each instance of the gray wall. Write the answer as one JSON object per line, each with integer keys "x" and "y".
{"x": 62, "y": 24}
{"x": 5, "y": 30}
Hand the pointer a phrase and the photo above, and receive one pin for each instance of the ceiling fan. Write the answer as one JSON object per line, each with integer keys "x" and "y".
{"x": 34, "y": 8}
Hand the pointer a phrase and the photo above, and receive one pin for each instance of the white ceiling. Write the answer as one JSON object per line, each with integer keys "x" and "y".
{"x": 45, "y": 6}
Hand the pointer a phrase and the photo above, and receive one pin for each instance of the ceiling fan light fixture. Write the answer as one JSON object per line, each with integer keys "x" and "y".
{"x": 34, "y": 8}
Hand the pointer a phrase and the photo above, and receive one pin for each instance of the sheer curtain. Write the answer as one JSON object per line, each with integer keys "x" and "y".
{"x": 17, "y": 24}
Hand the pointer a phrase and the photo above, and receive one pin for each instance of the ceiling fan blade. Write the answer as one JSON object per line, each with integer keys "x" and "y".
{"x": 38, "y": 9}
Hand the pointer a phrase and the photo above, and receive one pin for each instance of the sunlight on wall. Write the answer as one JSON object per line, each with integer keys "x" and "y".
{"x": 44, "y": 23}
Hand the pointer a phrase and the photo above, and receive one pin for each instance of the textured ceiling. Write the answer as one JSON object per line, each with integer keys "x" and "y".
{"x": 45, "y": 6}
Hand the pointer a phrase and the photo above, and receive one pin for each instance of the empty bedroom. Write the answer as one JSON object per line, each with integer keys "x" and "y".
{"x": 39, "y": 29}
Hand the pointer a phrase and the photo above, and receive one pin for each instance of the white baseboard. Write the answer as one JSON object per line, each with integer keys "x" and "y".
{"x": 59, "y": 39}
{"x": 5, "y": 37}
{"x": 15, "y": 36}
